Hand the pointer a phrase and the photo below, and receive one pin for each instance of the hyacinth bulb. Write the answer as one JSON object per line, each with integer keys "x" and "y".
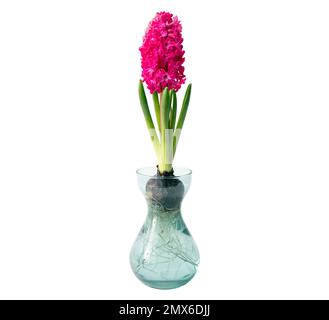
{"x": 162, "y": 54}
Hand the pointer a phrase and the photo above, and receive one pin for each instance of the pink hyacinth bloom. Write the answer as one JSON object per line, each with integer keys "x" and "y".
{"x": 162, "y": 53}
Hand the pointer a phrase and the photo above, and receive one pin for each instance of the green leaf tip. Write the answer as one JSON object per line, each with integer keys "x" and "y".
{"x": 185, "y": 105}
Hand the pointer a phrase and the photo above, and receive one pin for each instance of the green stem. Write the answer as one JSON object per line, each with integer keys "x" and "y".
{"x": 166, "y": 146}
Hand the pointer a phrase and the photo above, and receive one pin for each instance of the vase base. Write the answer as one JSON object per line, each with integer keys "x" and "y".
{"x": 166, "y": 285}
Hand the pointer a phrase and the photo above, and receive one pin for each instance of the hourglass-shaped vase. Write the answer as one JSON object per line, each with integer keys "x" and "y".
{"x": 164, "y": 255}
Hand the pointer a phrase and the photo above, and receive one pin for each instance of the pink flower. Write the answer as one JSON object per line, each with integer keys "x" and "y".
{"x": 162, "y": 53}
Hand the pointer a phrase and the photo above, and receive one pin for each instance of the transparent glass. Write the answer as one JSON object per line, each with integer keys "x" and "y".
{"x": 164, "y": 255}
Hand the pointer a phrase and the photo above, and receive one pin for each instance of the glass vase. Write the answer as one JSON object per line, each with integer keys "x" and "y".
{"x": 164, "y": 255}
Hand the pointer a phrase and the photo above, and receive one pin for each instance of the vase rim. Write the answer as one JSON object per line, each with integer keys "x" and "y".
{"x": 151, "y": 172}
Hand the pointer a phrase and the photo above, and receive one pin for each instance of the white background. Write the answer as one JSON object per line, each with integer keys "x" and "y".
{"x": 72, "y": 135}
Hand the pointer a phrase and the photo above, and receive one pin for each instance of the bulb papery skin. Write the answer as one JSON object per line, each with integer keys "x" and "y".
{"x": 162, "y": 53}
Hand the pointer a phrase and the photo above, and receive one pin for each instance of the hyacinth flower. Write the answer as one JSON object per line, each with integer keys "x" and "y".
{"x": 164, "y": 255}
{"x": 162, "y": 58}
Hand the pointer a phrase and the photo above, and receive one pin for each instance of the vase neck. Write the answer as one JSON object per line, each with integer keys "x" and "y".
{"x": 157, "y": 209}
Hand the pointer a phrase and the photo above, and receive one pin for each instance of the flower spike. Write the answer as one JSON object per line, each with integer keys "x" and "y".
{"x": 162, "y": 53}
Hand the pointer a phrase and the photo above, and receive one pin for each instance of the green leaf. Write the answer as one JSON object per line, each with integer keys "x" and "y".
{"x": 157, "y": 109}
{"x": 185, "y": 105}
{"x": 144, "y": 105}
{"x": 173, "y": 111}
{"x": 148, "y": 118}
{"x": 182, "y": 116}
